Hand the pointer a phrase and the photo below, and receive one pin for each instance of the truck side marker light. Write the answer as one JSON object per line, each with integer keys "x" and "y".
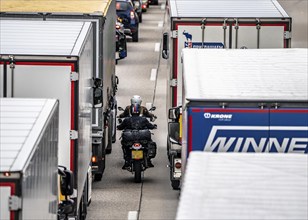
{"x": 178, "y": 165}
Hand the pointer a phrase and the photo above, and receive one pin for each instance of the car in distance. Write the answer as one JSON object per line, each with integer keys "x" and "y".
{"x": 126, "y": 12}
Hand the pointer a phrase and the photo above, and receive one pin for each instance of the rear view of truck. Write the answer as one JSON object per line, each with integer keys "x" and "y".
{"x": 29, "y": 130}
{"x": 244, "y": 101}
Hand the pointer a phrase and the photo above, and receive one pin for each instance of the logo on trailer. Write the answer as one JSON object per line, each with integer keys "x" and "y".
{"x": 282, "y": 139}
{"x": 190, "y": 44}
{"x": 220, "y": 117}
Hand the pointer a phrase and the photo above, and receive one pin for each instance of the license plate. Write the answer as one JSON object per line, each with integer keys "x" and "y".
{"x": 137, "y": 154}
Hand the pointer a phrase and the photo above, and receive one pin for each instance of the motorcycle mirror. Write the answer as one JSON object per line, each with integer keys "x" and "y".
{"x": 120, "y": 108}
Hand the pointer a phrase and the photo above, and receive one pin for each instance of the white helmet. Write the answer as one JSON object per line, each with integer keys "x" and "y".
{"x": 136, "y": 100}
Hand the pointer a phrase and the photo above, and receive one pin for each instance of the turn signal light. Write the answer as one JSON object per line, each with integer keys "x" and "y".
{"x": 94, "y": 159}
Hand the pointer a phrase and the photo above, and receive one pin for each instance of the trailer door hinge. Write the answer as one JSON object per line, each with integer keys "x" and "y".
{"x": 174, "y": 34}
{"x": 287, "y": 35}
{"x": 74, "y": 76}
{"x": 73, "y": 134}
{"x": 173, "y": 82}
{"x": 14, "y": 203}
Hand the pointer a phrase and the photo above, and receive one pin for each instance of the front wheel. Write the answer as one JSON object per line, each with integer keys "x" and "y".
{"x": 138, "y": 170}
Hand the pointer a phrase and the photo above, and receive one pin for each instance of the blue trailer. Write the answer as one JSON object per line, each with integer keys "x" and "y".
{"x": 252, "y": 101}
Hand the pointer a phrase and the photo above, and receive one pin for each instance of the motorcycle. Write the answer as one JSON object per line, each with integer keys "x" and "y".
{"x": 138, "y": 148}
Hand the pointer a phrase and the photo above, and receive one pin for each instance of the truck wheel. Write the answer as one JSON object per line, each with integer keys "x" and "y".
{"x": 98, "y": 176}
{"x": 109, "y": 144}
{"x": 175, "y": 184}
{"x": 135, "y": 36}
{"x": 114, "y": 137}
{"x": 140, "y": 18}
{"x": 137, "y": 169}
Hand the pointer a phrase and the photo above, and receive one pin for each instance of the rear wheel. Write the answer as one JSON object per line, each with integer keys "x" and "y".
{"x": 135, "y": 36}
{"x": 137, "y": 169}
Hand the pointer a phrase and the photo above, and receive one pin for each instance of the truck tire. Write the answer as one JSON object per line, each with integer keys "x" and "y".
{"x": 135, "y": 36}
{"x": 175, "y": 184}
{"x": 114, "y": 137}
{"x": 137, "y": 169}
{"x": 109, "y": 144}
{"x": 140, "y": 18}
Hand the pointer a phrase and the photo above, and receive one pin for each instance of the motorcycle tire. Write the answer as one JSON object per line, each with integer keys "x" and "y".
{"x": 137, "y": 170}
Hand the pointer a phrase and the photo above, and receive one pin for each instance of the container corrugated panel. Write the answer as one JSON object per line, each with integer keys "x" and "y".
{"x": 226, "y": 8}
{"x": 30, "y": 37}
{"x": 72, "y": 7}
{"x": 244, "y": 186}
{"x": 29, "y": 147}
{"x": 246, "y": 75}
{"x": 21, "y": 124}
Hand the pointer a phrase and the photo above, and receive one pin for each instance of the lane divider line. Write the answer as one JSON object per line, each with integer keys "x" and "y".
{"x": 153, "y": 74}
{"x": 132, "y": 215}
{"x": 157, "y": 47}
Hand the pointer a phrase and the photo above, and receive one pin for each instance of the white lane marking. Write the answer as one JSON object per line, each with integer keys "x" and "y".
{"x": 153, "y": 74}
{"x": 157, "y": 47}
{"x": 160, "y": 24}
{"x": 132, "y": 215}
{"x": 162, "y": 6}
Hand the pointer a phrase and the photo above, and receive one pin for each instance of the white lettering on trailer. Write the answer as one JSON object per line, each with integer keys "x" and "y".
{"x": 223, "y": 144}
{"x": 217, "y": 116}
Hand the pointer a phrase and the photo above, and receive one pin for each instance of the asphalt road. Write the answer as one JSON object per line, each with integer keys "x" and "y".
{"x": 144, "y": 73}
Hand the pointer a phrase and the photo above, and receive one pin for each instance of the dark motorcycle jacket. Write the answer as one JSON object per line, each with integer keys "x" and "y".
{"x": 135, "y": 123}
{"x": 144, "y": 112}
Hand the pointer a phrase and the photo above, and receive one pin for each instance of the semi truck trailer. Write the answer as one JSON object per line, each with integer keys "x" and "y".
{"x": 252, "y": 101}
{"x": 55, "y": 59}
{"x": 218, "y": 25}
{"x": 29, "y": 131}
{"x": 102, "y": 15}
{"x": 244, "y": 186}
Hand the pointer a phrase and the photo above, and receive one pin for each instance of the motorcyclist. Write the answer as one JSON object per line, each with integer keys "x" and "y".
{"x": 136, "y": 99}
{"x": 135, "y": 122}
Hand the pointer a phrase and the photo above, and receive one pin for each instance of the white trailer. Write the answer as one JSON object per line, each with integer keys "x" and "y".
{"x": 102, "y": 15}
{"x": 213, "y": 24}
{"x": 55, "y": 59}
{"x": 28, "y": 158}
{"x": 244, "y": 186}
{"x": 220, "y": 24}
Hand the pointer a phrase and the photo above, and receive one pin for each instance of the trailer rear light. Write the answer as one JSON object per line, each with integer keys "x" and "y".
{"x": 7, "y": 174}
{"x": 178, "y": 165}
{"x": 94, "y": 159}
{"x": 132, "y": 15}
